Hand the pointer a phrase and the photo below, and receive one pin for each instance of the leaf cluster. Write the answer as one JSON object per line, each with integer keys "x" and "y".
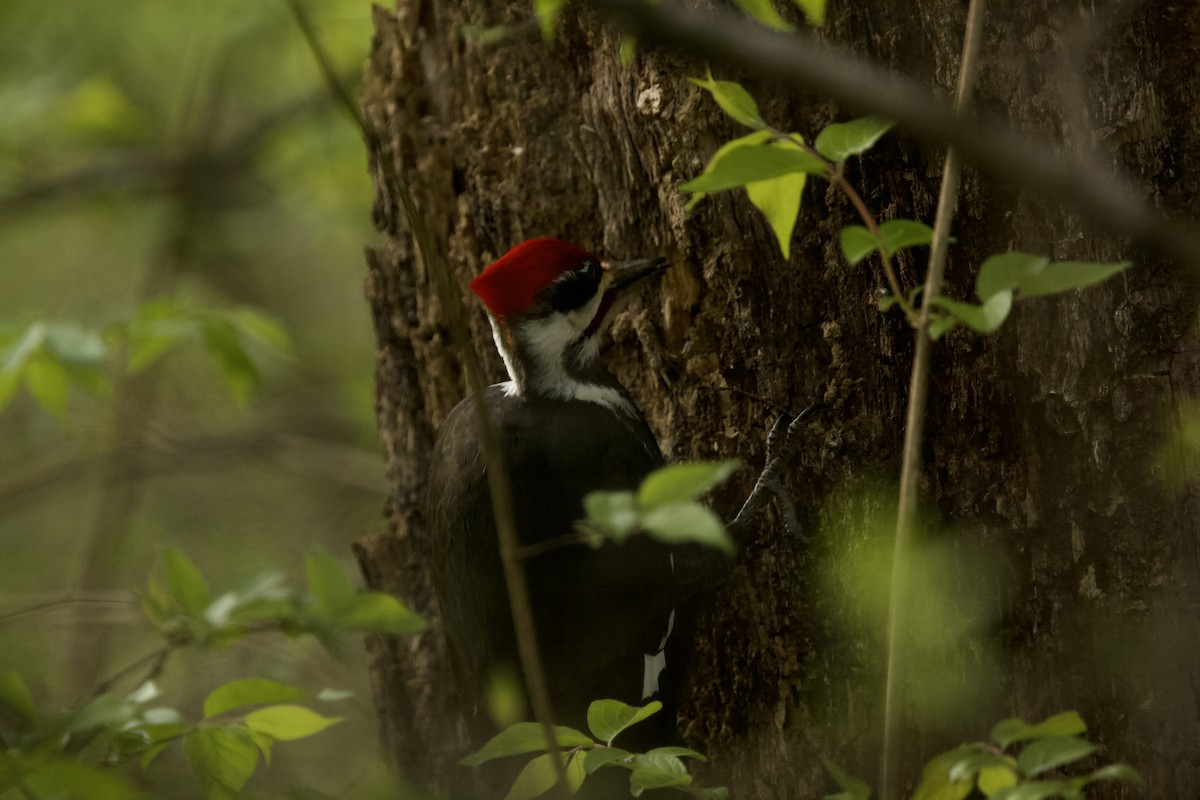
{"x": 773, "y": 166}
{"x": 583, "y": 755}
{"x": 1033, "y": 773}
{"x": 48, "y": 358}
{"x": 178, "y": 601}
{"x": 70, "y": 753}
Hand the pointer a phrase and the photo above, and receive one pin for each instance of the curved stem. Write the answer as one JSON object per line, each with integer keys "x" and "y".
{"x": 834, "y": 175}
{"x": 915, "y": 426}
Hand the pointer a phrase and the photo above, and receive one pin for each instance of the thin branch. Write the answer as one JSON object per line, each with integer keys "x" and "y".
{"x": 498, "y": 482}
{"x": 799, "y": 61}
{"x": 156, "y": 659}
{"x": 914, "y": 430}
{"x": 124, "y": 599}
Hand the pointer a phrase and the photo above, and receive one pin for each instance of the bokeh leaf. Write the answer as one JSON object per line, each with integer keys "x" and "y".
{"x": 607, "y": 718}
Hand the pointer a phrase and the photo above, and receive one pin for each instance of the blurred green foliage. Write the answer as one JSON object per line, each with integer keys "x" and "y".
{"x": 178, "y": 171}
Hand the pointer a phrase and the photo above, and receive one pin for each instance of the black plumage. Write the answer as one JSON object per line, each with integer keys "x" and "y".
{"x": 599, "y": 612}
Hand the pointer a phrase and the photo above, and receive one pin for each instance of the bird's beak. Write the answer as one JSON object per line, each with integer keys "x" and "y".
{"x": 630, "y": 272}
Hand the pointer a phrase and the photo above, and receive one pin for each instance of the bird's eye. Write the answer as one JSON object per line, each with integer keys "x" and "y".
{"x": 575, "y": 288}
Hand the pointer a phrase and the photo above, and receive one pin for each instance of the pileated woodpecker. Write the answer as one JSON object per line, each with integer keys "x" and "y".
{"x": 566, "y": 427}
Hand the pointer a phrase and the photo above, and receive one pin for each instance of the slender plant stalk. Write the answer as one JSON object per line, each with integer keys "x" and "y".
{"x": 914, "y": 429}
{"x": 498, "y": 482}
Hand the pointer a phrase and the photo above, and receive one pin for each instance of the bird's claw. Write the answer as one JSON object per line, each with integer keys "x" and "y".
{"x": 782, "y": 442}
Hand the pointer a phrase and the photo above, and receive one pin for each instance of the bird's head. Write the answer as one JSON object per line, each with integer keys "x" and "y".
{"x": 548, "y": 301}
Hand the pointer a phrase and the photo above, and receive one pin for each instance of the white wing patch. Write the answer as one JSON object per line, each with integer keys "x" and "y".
{"x": 654, "y": 664}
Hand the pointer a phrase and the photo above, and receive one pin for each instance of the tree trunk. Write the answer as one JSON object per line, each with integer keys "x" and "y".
{"x": 1059, "y": 570}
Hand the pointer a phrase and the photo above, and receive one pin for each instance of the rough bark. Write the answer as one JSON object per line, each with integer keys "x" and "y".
{"x": 1073, "y": 570}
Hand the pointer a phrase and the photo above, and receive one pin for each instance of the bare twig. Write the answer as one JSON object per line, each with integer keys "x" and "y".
{"x": 498, "y": 482}
{"x": 121, "y": 599}
{"x": 799, "y": 61}
{"x": 914, "y": 430}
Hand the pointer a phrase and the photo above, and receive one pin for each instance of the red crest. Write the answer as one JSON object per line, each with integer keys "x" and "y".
{"x": 509, "y": 284}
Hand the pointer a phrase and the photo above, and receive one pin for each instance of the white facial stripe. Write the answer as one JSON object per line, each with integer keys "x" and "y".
{"x": 515, "y": 387}
{"x": 545, "y": 342}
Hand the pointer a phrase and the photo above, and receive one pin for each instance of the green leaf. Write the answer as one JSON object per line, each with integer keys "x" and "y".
{"x": 1116, "y": 772}
{"x": 1062, "y": 276}
{"x": 993, "y": 779}
{"x": 1052, "y": 751}
{"x": 968, "y": 765}
{"x": 74, "y": 344}
{"x": 657, "y": 772}
{"x": 1006, "y": 271}
{"x": 627, "y": 51}
{"x": 684, "y": 752}
{"x": 894, "y": 235}
{"x": 607, "y": 718}
{"x": 262, "y": 327}
{"x": 524, "y": 737}
{"x": 221, "y": 757}
{"x": 779, "y": 201}
{"x": 1033, "y": 790}
{"x": 48, "y": 382}
{"x": 940, "y": 325}
{"x": 898, "y": 234}
{"x": 813, "y": 9}
{"x": 688, "y": 522}
{"x": 16, "y": 697}
{"x": 286, "y": 722}
{"x": 185, "y": 582}
{"x": 679, "y": 483}
{"x": 47, "y": 777}
{"x": 613, "y": 513}
{"x": 598, "y": 757}
{"x": 857, "y": 243}
{"x": 144, "y": 693}
{"x": 852, "y": 788}
{"x": 376, "y": 612}
{"x": 547, "y": 12}
{"x": 985, "y": 318}
{"x": 750, "y": 162}
{"x": 331, "y": 590}
{"x": 106, "y": 711}
{"x": 1066, "y": 723}
{"x": 936, "y": 783}
{"x": 264, "y": 743}
{"x": 535, "y": 779}
{"x": 764, "y": 12}
{"x": 841, "y": 140}
{"x": 152, "y": 752}
{"x": 222, "y": 341}
{"x": 248, "y": 691}
{"x": 575, "y": 771}
{"x": 9, "y": 381}
{"x": 731, "y": 97}
{"x": 1033, "y": 275}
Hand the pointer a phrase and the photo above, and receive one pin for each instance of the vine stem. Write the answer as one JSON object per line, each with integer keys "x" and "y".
{"x": 438, "y": 270}
{"x": 834, "y": 174}
{"x": 914, "y": 430}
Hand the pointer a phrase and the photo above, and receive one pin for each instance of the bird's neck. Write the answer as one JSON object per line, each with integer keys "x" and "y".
{"x": 543, "y": 363}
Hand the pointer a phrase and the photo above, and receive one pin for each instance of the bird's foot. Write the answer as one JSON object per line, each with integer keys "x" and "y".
{"x": 782, "y": 443}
